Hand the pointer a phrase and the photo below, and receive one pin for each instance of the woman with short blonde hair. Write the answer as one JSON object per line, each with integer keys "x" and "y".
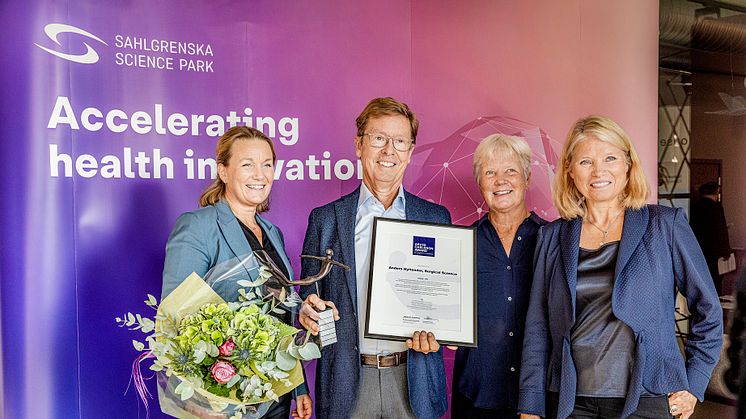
{"x": 485, "y": 379}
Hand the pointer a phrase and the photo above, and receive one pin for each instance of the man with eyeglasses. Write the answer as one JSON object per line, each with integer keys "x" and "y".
{"x": 358, "y": 377}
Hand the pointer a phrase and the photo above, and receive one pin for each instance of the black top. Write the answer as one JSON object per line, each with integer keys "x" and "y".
{"x": 488, "y": 375}
{"x": 602, "y": 345}
{"x": 282, "y": 408}
{"x": 272, "y": 253}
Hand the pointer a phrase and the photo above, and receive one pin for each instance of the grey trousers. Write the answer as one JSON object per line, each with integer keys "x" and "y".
{"x": 383, "y": 394}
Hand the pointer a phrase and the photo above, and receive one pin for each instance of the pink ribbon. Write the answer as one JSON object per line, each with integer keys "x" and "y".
{"x": 139, "y": 380}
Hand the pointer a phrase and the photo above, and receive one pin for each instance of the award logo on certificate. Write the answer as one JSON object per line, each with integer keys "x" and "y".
{"x": 422, "y": 277}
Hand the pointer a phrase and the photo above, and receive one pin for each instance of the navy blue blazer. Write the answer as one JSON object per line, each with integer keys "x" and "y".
{"x": 332, "y": 226}
{"x": 658, "y": 255}
{"x": 203, "y": 239}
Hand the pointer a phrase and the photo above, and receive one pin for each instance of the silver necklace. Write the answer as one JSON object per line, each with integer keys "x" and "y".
{"x": 608, "y": 227}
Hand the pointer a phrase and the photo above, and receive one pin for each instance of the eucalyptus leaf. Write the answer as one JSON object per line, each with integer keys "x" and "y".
{"x": 147, "y": 325}
{"x": 232, "y": 382}
{"x": 156, "y": 367}
{"x": 293, "y": 350}
{"x": 130, "y": 319}
{"x": 309, "y": 351}
{"x": 151, "y": 301}
{"x": 285, "y": 361}
{"x": 278, "y": 310}
{"x": 213, "y": 350}
{"x": 138, "y": 345}
{"x": 198, "y": 356}
{"x": 187, "y": 393}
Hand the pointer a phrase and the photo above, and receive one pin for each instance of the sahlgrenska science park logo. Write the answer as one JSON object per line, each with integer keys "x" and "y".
{"x": 134, "y": 51}
{"x": 53, "y": 30}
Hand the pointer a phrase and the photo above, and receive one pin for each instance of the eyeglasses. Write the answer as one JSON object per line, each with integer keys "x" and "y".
{"x": 378, "y": 140}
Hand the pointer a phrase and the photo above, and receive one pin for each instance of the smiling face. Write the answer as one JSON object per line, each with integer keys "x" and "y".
{"x": 383, "y": 168}
{"x": 502, "y": 182}
{"x": 248, "y": 175}
{"x": 599, "y": 171}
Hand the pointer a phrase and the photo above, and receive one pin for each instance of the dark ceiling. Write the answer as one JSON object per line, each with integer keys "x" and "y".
{"x": 703, "y": 36}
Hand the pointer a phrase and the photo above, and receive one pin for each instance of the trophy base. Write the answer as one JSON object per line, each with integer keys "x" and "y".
{"x": 327, "y": 331}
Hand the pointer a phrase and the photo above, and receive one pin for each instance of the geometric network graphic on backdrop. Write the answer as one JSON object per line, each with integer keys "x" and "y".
{"x": 446, "y": 173}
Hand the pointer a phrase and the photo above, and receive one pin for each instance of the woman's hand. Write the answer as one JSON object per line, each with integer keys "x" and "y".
{"x": 682, "y": 403}
{"x": 303, "y": 407}
{"x": 525, "y": 416}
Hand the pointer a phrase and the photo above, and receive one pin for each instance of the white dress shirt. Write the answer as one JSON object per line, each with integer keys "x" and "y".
{"x": 368, "y": 207}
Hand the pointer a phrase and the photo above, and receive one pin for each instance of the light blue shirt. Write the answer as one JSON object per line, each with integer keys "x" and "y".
{"x": 368, "y": 207}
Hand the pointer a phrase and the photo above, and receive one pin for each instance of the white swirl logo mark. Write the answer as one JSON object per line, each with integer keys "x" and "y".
{"x": 54, "y": 29}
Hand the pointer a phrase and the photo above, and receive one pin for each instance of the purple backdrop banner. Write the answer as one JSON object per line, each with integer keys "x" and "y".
{"x": 110, "y": 114}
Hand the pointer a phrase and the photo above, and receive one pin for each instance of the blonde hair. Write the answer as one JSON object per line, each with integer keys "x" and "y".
{"x": 216, "y": 191}
{"x": 567, "y": 199}
{"x": 500, "y": 144}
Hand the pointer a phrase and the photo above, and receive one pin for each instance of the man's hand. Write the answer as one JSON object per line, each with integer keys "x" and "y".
{"x": 423, "y": 342}
{"x": 303, "y": 407}
{"x": 309, "y": 316}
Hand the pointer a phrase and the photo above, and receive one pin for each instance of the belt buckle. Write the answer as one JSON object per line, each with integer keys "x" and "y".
{"x": 378, "y": 362}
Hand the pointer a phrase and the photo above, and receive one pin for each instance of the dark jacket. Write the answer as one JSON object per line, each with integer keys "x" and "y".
{"x": 332, "y": 226}
{"x": 658, "y": 255}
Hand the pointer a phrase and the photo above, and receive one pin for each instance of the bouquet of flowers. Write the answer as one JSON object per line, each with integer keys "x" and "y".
{"x": 216, "y": 358}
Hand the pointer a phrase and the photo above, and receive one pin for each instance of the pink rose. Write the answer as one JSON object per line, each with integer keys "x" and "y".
{"x": 227, "y": 347}
{"x": 222, "y": 371}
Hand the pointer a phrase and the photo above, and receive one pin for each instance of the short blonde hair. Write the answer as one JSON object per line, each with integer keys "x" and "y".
{"x": 567, "y": 199}
{"x": 500, "y": 144}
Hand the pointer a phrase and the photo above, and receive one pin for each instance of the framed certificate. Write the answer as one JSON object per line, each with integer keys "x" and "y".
{"x": 422, "y": 277}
